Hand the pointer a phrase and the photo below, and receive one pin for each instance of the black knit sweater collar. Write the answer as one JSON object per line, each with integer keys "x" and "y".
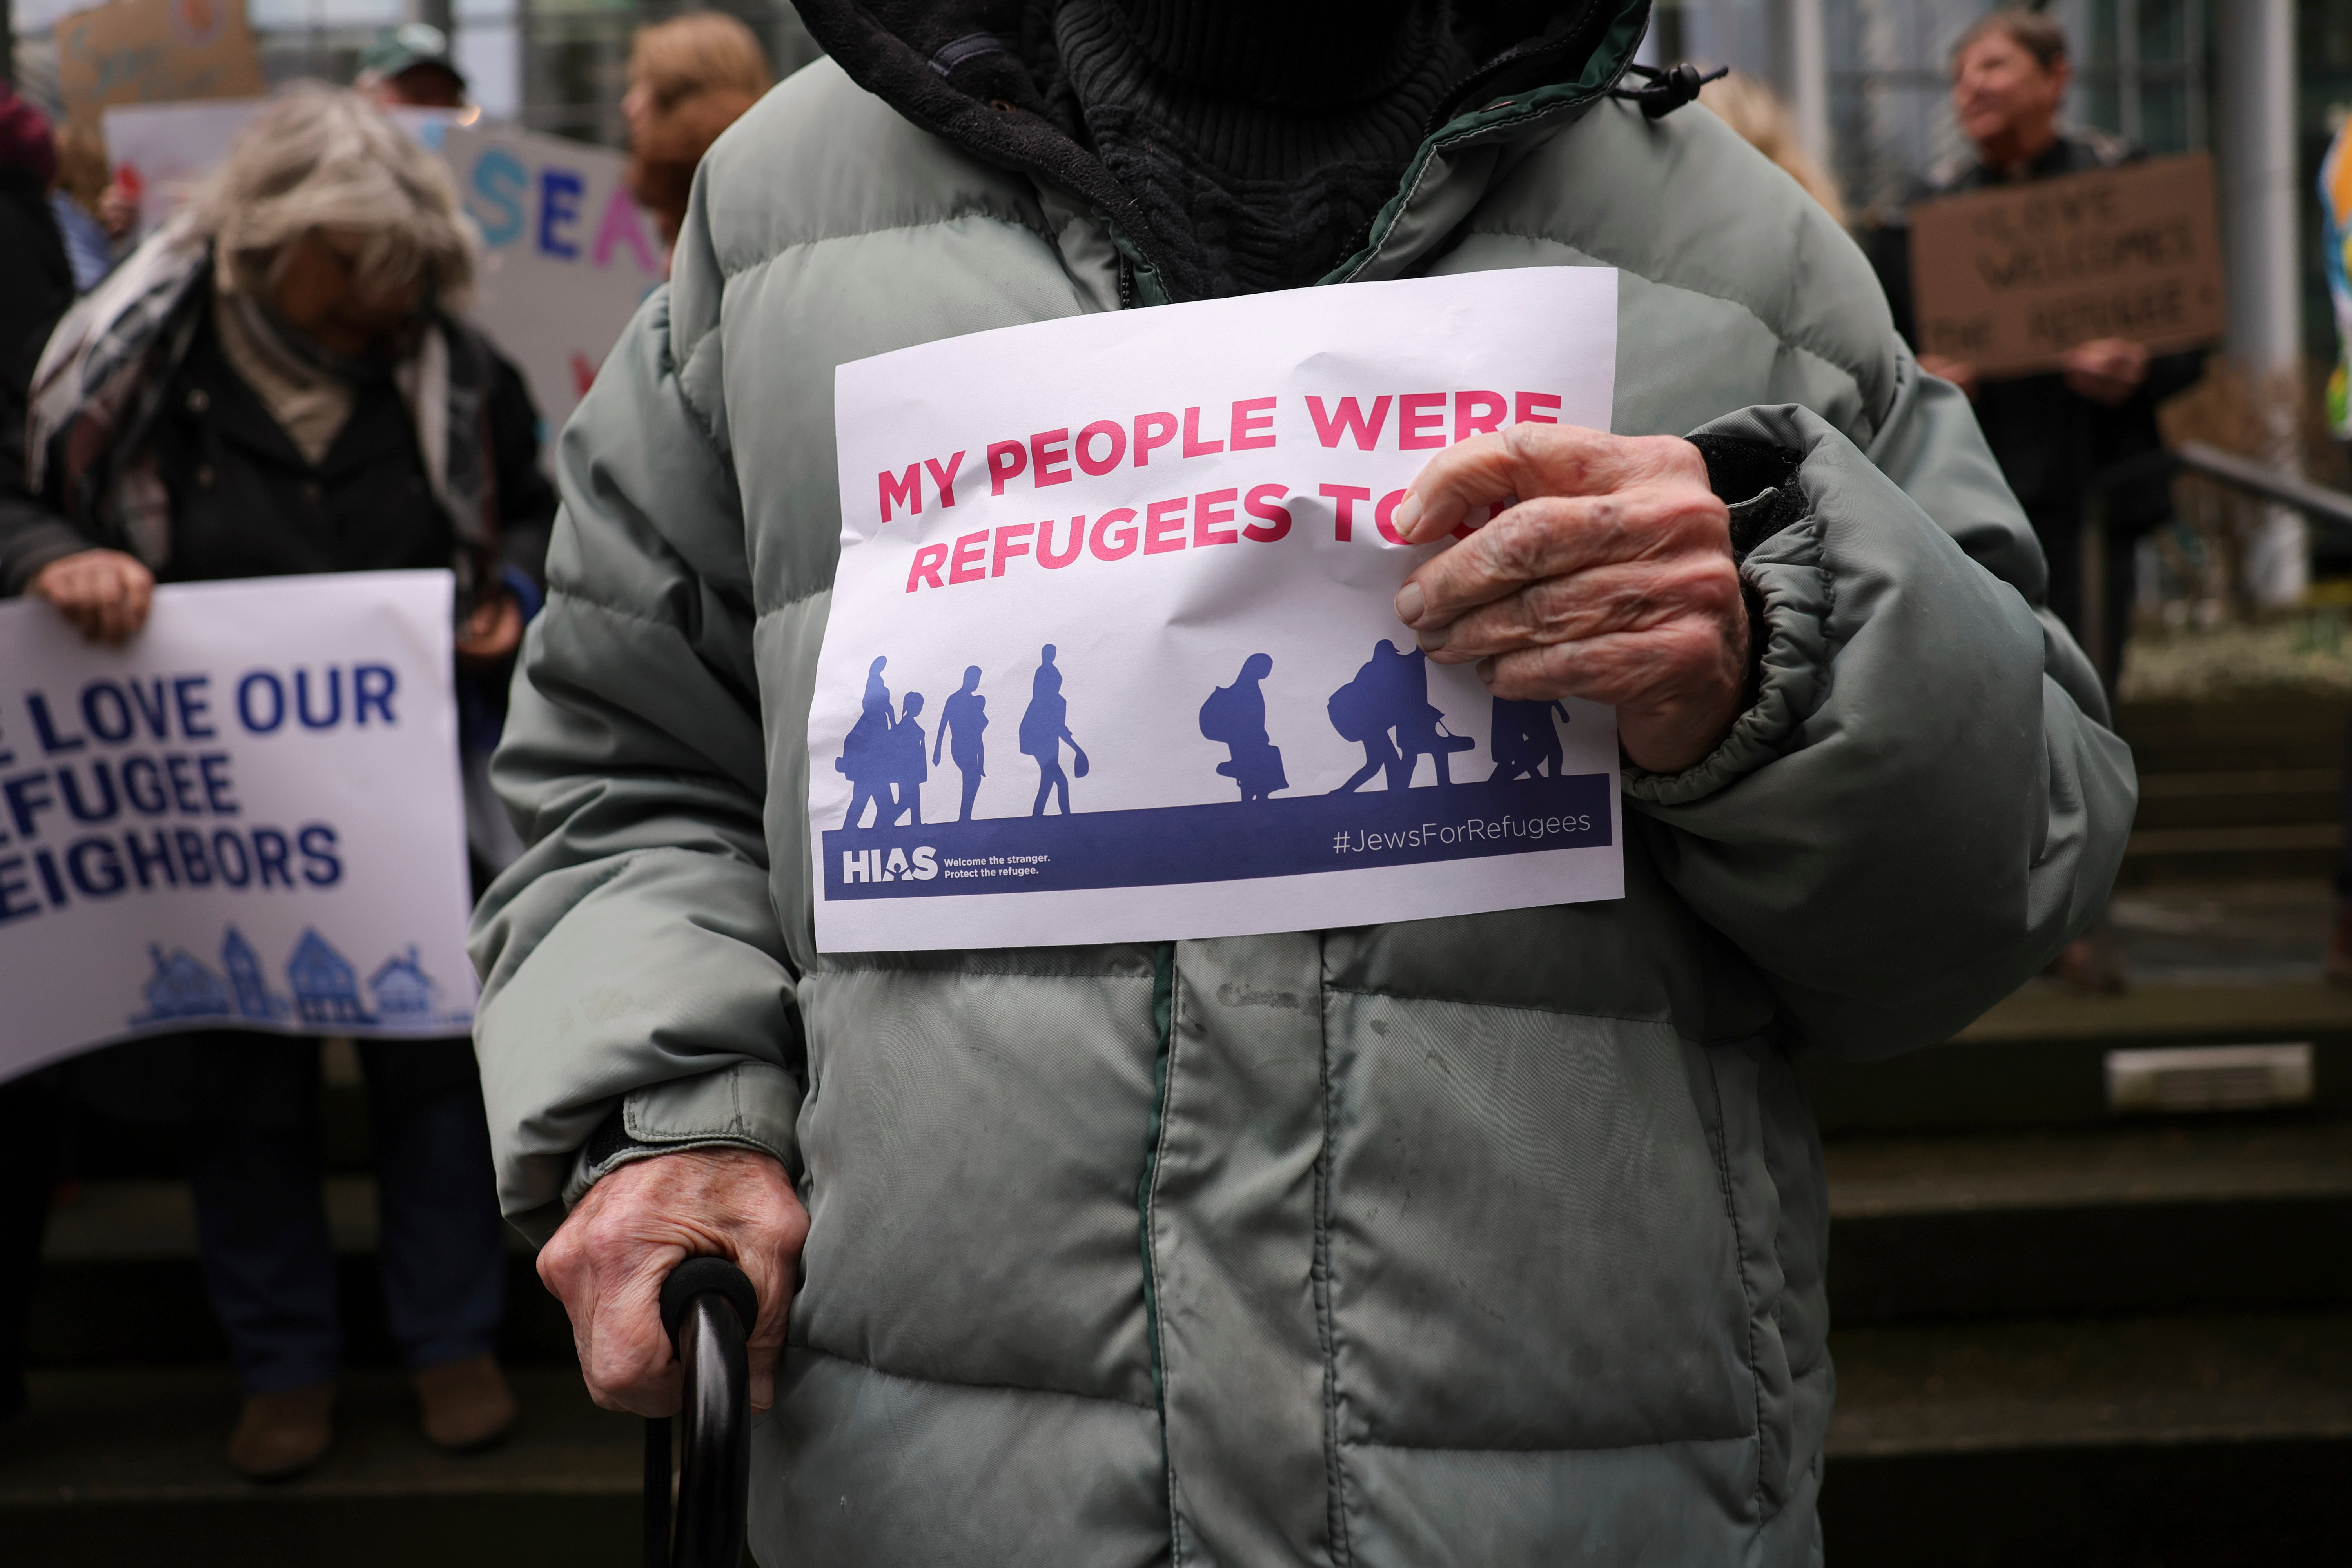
{"x": 1259, "y": 142}
{"x": 986, "y": 75}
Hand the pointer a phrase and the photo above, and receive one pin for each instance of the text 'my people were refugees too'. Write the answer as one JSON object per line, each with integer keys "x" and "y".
{"x": 1155, "y": 525}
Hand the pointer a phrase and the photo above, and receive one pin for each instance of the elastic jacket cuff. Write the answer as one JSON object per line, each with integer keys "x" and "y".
{"x": 750, "y": 1105}
{"x": 1761, "y": 483}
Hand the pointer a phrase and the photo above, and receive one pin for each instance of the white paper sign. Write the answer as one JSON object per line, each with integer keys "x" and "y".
{"x": 161, "y": 152}
{"x": 569, "y": 255}
{"x": 1112, "y": 655}
{"x": 567, "y": 258}
{"x": 248, "y": 817}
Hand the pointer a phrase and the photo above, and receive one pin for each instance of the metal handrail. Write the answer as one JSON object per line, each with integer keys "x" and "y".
{"x": 2331, "y": 508}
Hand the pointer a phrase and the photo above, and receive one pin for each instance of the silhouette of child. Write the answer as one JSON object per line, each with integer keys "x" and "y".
{"x": 907, "y": 770}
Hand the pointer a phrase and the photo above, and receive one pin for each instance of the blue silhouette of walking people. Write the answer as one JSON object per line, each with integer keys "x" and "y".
{"x": 962, "y": 719}
{"x": 908, "y": 769}
{"x": 1389, "y": 696}
{"x": 1523, "y": 743}
{"x": 865, "y": 755}
{"x": 1045, "y": 725}
{"x": 1235, "y": 716}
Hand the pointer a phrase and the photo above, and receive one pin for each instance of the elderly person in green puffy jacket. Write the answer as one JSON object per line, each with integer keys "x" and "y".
{"x": 1489, "y": 1239}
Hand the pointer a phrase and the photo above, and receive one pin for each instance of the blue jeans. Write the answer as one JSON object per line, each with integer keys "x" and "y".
{"x": 268, "y": 1263}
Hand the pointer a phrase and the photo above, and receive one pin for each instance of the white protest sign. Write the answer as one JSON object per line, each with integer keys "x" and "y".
{"x": 247, "y": 817}
{"x": 569, "y": 257}
{"x": 1112, "y": 655}
{"x": 161, "y": 151}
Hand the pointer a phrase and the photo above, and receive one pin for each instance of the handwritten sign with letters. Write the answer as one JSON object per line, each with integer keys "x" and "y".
{"x": 155, "y": 51}
{"x": 2009, "y": 279}
{"x": 1112, "y": 654}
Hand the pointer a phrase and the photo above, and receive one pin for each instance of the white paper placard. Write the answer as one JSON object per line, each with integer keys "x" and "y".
{"x": 568, "y": 256}
{"x": 1085, "y": 547}
{"x": 248, "y": 817}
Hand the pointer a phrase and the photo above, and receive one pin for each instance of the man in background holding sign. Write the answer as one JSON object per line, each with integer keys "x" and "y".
{"x": 2053, "y": 430}
{"x": 1480, "y": 1220}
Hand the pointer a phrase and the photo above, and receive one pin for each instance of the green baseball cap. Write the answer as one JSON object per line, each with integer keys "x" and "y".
{"x": 407, "y": 47}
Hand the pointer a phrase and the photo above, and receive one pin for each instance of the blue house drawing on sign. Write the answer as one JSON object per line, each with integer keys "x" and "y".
{"x": 180, "y": 987}
{"x": 404, "y": 993}
{"x": 250, "y": 985}
{"x": 326, "y": 987}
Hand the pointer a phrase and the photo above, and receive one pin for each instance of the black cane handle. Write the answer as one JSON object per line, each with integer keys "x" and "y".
{"x": 708, "y": 1307}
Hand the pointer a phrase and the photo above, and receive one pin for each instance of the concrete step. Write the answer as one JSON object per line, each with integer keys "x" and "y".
{"x": 120, "y": 1282}
{"x": 2240, "y": 734}
{"x": 2146, "y": 1443}
{"x": 2233, "y": 1214}
{"x": 119, "y": 1466}
{"x": 2039, "y": 1058}
{"x": 2153, "y": 856}
{"x": 2250, "y": 797}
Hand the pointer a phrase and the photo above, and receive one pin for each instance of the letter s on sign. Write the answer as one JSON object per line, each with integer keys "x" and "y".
{"x": 1260, "y": 503}
{"x": 926, "y": 865}
{"x": 498, "y": 181}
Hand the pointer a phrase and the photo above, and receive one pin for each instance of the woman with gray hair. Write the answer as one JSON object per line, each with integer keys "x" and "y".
{"x": 276, "y": 383}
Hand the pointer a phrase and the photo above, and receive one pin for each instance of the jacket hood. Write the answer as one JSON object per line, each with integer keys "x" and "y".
{"x": 960, "y": 70}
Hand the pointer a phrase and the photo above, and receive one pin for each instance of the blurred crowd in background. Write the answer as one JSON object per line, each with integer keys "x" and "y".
{"x": 272, "y": 337}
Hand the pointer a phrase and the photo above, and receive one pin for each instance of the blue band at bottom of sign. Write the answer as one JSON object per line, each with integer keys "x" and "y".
{"x": 1231, "y": 841}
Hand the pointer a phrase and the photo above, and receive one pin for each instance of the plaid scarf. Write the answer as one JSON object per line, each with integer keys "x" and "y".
{"x": 108, "y": 366}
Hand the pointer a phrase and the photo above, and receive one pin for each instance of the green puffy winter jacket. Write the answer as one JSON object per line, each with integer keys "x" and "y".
{"x": 1489, "y": 1240}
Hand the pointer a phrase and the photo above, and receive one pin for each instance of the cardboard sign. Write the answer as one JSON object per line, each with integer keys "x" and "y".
{"x": 569, "y": 255}
{"x": 248, "y": 817}
{"x": 1112, "y": 653}
{"x": 155, "y": 51}
{"x": 2009, "y": 279}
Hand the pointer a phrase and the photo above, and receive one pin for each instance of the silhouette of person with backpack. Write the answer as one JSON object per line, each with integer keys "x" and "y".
{"x": 864, "y": 757}
{"x": 962, "y": 719}
{"x": 1364, "y": 711}
{"x": 1234, "y": 716}
{"x": 907, "y": 770}
{"x": 1045, "y": 725}
{"x": 1523, "y": 743}
{"x": 1420, "y": 725}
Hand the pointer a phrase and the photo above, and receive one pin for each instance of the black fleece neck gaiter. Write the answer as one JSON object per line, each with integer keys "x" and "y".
{"x": 1259, "y": 139}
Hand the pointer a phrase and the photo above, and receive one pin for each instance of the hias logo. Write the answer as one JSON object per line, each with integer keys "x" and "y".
{"x": 868, "y": 866}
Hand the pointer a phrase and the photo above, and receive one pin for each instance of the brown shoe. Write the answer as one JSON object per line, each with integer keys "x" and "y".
{"x": 2092, "y": 965}
{"x": 279, "y": 1435}
{"x": 468, "y": 1405}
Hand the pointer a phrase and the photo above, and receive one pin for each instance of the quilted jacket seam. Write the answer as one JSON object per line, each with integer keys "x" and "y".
{"x": 1548, "y": 1447}
{"x": 1327, "y": 1328}
{"x": 1519, "y": 1008}
{"x": 1795, "y": 344}
{"x": 946, "y": 973}
{"x": 729, "y": 274}
{"x": 1722, "y": 1141}
{"x": 975, "y": 1387}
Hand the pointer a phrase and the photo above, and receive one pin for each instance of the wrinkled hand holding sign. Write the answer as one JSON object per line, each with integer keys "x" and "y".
{"x": 1112, "y": 654}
